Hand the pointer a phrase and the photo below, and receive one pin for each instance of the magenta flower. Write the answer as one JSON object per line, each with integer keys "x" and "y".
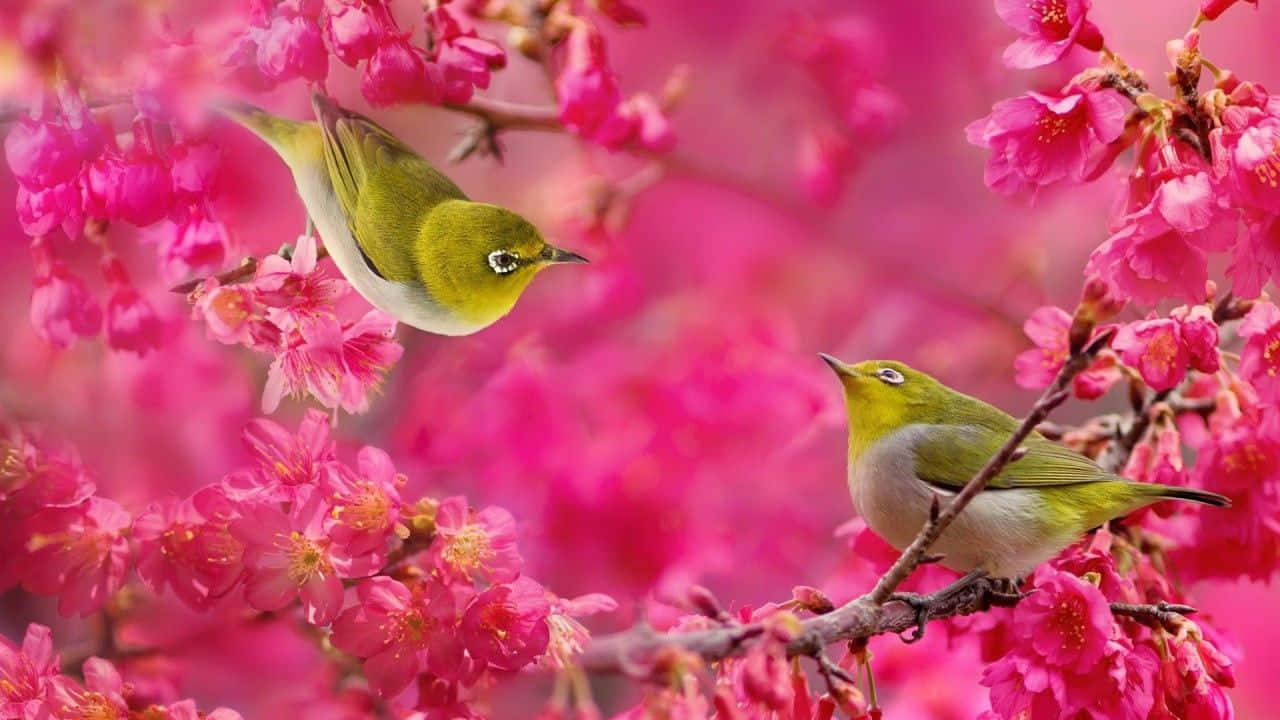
{"x": 1049, "y": 29}
{"x": 1193, "y": 683}
{"x": 41, "y": 154}
{"x": 196, "y": 244}
{"x": 1260, "y": 357}
{"x": 1255, "y": 165}
{"x": 292, "y": 460}
{"x": 1048, "y": 327}
{"x": 589, "y": 94}
{"x": 1155, "y": 348}
{"x": 567, "y": 635}
{"x": 1147, "y": 259}
{"x": 1039, "y": 139}
{"x": 233, "y": 316}
{"x": 1256, "y": 256}
{"x": 366, "y": 502}
{"x": 506, "y": 625}
{"x": 1067, "y": 621}
{"x": 479, "y": 544}
{"x": 61, "y": 308}
{"x": 78, "y": 553}
{"x": 338, "y": 366}
{"x": 193, "y": 169}
{"x": 132, "y": 324}
{"x": 296, "y": 289}
{"x": 291, "y": 47}
{"x": 353, "y": 29}
{"x": 100, "y": 698}
{"x": 289, "y": 556}
{"x": 187, "y": 546}
{"x": 464, "y": 57}
{"x": 397, "y": 73}
{"x": 41, "y": 211}
{"x": 400, "y": 632}
{"x": 27, "y": 674}
{"x": 369, "y": 349}
{"x": 134, "y": 186}
{"x": 1211, "y": 9}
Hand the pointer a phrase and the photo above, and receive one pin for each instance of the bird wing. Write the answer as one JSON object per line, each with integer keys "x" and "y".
{"x": 948, "y": 456}
{"x": 383, "y": 187}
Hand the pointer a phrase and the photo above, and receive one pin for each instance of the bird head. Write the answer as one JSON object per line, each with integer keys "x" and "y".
{"x": 477, "y": 259}
{"x": 885, "y": 395}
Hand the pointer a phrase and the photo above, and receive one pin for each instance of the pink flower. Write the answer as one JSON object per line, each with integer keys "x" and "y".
{"x": 41, "y": 211}
{"x": 353, "y": 29}
{"x": 825, "y": 157}
{"x": 194, "y": 169}
{"x": 78, "y": 553}
{"x": 477, "y": 544}
{"x": 369, "y": 349}
{"x": 1048, "y": 327}
{"x": 1199, "y": 335}
{"x": 1067, "y": 621}
{"x": 290, "y": 48}
{"x": 1255, "y": 165}
{"x": 187, "y": 546}
{"x": 1193, "y": 682}
{"x": 232, "y": 316}
{"x": 296, "y": 289}
{"x": 1049, "y": 29}
{"x": 1211, "y": 9}
{"x": 41, "y": 154}
{"x": 289, "y": 556}
{"x": 567, "y": 635}
{"x": 464, "y": 57}
{"x": 132, "y": 324}
{"x": 196, "y": 244}
{"x": 101, "y": 697}
{"x": 293, "y": 460}
{"x": 1039, "y": 139}
{"x": 135, "y": 186}
{"x": 366, "y": 503}
{"x": 589, "y": 94}
{"x": 1260, "y": 358}
{"x": 338, "y": 366}
{"x": 397, "y": 73}
{"x": 1147, "y": 259}
{"x": 506, "y": 626}
{"x": 1155, "y": 348}
{"x": 1256, "y": 256}
{"x": 61, "y": 308}
{"x": 400, "y": 632}
{"x": 27, "y": 674}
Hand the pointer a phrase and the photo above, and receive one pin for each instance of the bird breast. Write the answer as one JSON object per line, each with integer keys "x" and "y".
{"x": 1001, "y": 531}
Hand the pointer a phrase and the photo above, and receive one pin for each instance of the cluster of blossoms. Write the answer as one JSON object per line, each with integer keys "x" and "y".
{"x": 1205, "y": 165}
{"x": 288, "y": 311}
{"x": 425, "y": 593}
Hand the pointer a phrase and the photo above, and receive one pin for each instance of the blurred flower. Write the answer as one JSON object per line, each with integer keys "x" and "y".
{"x": 61, "y": 307}
{"x": 186, "y": 546}
{"x": 131, "y": 324}
{"x": 291, "y": 47}
{"x": 353, "y": 29}
{"x": 397, "y": 73}
{"x": 1049, "y": 29}
{"x": 27, "y": 674}
{"x": 78, "y": 553}
{"x": 1260, "y": 357}
{"x": 101, "y": 696}
{"x": 567, "y": 636}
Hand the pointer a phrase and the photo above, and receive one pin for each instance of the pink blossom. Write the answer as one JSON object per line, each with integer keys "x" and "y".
{"x": 61, "y": 308}
{"x": 295, "y": 288}
{"x": 567, "y": 636}
{"x": 186, "y": 545}
{"x": 1048, "y": 327}
{"x": 588, "y": 91}
{"x": 289, "y": 556}
{"x": 1193, "y": 683}
{"x": 101, "y": 696}
{"x": 464, "y": 57}
{"x": 506, "y": 626}
{"x": 135, "y": 186}
{"x": 1255, "y": 165}
{"x": 366, "y": 502}
{"x": 1200, "y": 336}
{"x": 397, "y": 73}
{"x": 27, "y": 674}
{"x": 132, "y": 324}
{"x": 193, "y": 169}
{"x": 1039, "y": 139}
{"x": 196, "y": 244}
{"x": 1260, "y": 357}
{"x": 232, "y": 315}
{"x": 477, "y": 544}
{"x": 1211, "y": 9}
{"x": 1067, "y": 621}
{"x": 293, "y": 460}
{"x": 338, "y": 366}
{"x": 290, "y": 47}
{"x": 1148, "y": 260}
{"x": 1155, "y": 348}
{"x": 78, "y": 553}
{"x": 1256, "y": 256}
{"x": 400, "y": 632}
{"x": 41, "y": 154}
{"x": 825, "y": 157}
{"x": 368, "y": 350}
{"x": 1049, "y": 29}
{"x": 353, "y": 29}
{"x": 41, "y": 211}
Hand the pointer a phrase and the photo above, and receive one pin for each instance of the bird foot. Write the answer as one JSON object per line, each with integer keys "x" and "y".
{"x": 999, "y": 592}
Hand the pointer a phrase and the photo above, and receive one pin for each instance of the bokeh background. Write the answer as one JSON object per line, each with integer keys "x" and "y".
{"x": 660, "y": 417}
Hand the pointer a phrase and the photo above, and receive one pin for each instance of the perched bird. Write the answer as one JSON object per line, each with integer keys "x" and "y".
{"x": 402, "y": 233}
{"x": 911, "y": 438}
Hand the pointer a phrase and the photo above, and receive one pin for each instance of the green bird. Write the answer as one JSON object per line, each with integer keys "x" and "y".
{"x": 402, "y": 233}
{"x": 911, "y": 438}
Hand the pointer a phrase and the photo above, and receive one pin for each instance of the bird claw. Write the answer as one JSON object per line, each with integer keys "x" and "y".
{"x": 921, "y": 604}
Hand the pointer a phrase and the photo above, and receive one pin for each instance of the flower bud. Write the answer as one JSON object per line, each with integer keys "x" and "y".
{"x": 353, "y": 30}
{"x": 290, "y": 48}
{"x": 397, "y": 73}
{"x": 41, "y": 154}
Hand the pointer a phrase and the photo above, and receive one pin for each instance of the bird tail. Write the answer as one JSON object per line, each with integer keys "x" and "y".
{"x": 282, "y": 134}
{"x": 1160, "y": 492}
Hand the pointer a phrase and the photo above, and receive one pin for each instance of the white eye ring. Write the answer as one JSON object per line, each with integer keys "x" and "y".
{"x": 891, "y": 376}
{"x": 504, "y": 261}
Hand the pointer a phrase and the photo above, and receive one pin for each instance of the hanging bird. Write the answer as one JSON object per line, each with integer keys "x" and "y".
{"x": 402, "y": 233}
{"x": 911, "y": 438}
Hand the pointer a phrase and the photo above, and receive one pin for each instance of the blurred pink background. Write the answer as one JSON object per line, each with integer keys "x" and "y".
{"x": 660, "y": 417}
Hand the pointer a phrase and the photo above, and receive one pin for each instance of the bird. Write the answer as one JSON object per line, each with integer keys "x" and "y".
{"x": 400, "y": 231}
{"x": 912, "y": 438}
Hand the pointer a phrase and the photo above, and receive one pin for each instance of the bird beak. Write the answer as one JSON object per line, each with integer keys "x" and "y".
{"x": 555, "y": 255}
{"x": 840, "y": 368}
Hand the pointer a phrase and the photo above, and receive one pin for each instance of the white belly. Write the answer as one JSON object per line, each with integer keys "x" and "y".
{"x": 407, "y": 304}
{"x": 1000, "y": 530}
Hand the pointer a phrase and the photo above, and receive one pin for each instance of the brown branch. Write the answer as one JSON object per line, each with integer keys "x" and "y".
{"x": 869, "y": 614}
{"x": 1118, "y": 452}
{"x": 1162, "y": 614}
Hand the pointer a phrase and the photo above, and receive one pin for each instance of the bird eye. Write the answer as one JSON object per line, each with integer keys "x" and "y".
{"x": 503, "y": 261}
{"x": 890, "y": 376}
